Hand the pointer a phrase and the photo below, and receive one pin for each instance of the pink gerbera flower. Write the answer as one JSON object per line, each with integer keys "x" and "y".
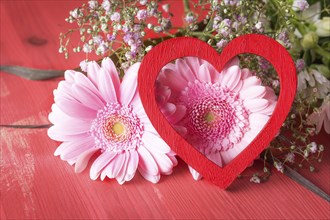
{"x": 98, "y": 113}
{"x": 224, "y": 112}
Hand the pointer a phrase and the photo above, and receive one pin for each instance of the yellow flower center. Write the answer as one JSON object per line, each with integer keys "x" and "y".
{"x": 209, "y": 117}
{"x": 118, "y": 128}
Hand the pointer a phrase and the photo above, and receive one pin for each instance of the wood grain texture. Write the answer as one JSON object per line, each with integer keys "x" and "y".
{"x": 36, "y": 185}
{"x": 173, "y": 49}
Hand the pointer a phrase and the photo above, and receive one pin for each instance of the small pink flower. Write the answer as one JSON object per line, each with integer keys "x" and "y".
{"x": 321, "y": 117}
{"x": 100, "y": 113}
{"x": 224, "y": 112}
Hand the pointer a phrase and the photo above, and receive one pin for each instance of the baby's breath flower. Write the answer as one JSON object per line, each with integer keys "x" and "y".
{"x": 300, "y": 5}
{"x": 290, "y": 157}
{"x": 97, "y": 40}
{"x": 75, "y": 13}
{"x": 93, "y": 4}
{"x": 258, "y": 25}
{"x": 87, "y": 48}
{"x": 222, "y": 43}
{"x": 189, "y": 18}
{"x": 255, "y": 179}
{"x": 143, "y": 2}
{"x": 106, "y": 5}
{"x": 141, "y": 14}
{"x": 148, "y": 48}
{"x": 313, "y": 147}
{"x": 300, "y": 65}
{"x": 166, "y": 7}
{"x": 83, "y": 65}
{"x": 279, "y": 166}
{"x": 115, "y": 17}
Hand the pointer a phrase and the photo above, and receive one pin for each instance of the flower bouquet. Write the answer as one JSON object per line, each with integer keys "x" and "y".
{"x": 98, "y": 110}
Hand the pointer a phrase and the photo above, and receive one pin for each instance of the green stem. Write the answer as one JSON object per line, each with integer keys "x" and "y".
{"x": 299, "y": 26}
{"x": 319, "y": 50}
{"x": 186, "y": 6}
{"x": 202, "y": 34}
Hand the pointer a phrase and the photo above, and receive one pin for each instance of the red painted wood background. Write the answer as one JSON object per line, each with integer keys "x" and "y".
{"x": 35, "y": 184}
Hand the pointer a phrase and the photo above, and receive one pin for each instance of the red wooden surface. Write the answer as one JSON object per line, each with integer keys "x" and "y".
{"x": 35, "y": 184}
{"x": 173, "y": 49}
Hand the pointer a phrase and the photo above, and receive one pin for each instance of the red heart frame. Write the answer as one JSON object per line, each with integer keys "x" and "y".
{"x": 175, "y": 48}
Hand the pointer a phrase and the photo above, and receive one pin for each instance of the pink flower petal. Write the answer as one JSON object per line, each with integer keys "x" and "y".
{"x": 132, "y": 165}
{"x": 153, "y": 142}
{"x": 92, "y": 72}
{"x": 251, "y": 81}
{"x": 146, "y": 162}
{"x": 180, "y": 129}
{"x": 256, "y": 105}
{"x": 230, "y": 154}
{"x": 231, "y": 77}
{"x": 71, "y": 127}
{"x": 83, "y": 160}
{"x": 149, "y": 128}
{"x": 178, "y": 115}
{"x": 185, "y": 71}
{"x": 102, "y": 161}
{"x": 246, "y": 73}
{"x": 234, "y": 62}
{"x": 238, "y": 87}
{"x": 214, "y": 74}
{"x": 168, "y": 109}
{"x": 270, "y": 108}
{"x": 253, "y": 92}
{"x": 258, "y": 121}
{"x": 115, "y": 165}
{"x": 216, "y": 158}
{"x": 87, "y": 97}
{"x": 129, "y": 84}
{"x": 173, "y": 159}
{"x": 76, "y": 109}
{"x": 139, "y": 109}
{"x": 111, "y": 69}
{"x": 69, "y": 75}
{"x": 73, "y": 149}
{"x": 204, "y": 74}
{"x": 162, "y": 92}
{"x": 194, "y": 63}
{"x": 149, "y": 177}
{"x": 54, "y": 117}
{"x": 107, "y": 88}
{"x": 122, "y": 173}
{"x": 164, "y": 163}
{"x": 195, "y": 174}
{"x": 175, "y": 82}
{"x": 270, "y": 94}
{"x": 81, "y": 79}
{"x": 64, "y": 90}
{"x": 53, "y": 134}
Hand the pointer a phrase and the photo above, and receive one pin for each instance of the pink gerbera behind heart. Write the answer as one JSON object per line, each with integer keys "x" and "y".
{"x": 224, "y": 112}
{"x": 100, "y": 113}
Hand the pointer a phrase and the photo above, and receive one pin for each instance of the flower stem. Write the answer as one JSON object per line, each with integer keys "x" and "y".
{"x": 186, "y": 6}
{"x": 202, "y": 34}
{"x": 322, "y": 52}
{"x": 299, "y": 26}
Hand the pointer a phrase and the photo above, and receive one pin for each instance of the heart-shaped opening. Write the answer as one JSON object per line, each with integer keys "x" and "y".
{"x": 219, "y": 113}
